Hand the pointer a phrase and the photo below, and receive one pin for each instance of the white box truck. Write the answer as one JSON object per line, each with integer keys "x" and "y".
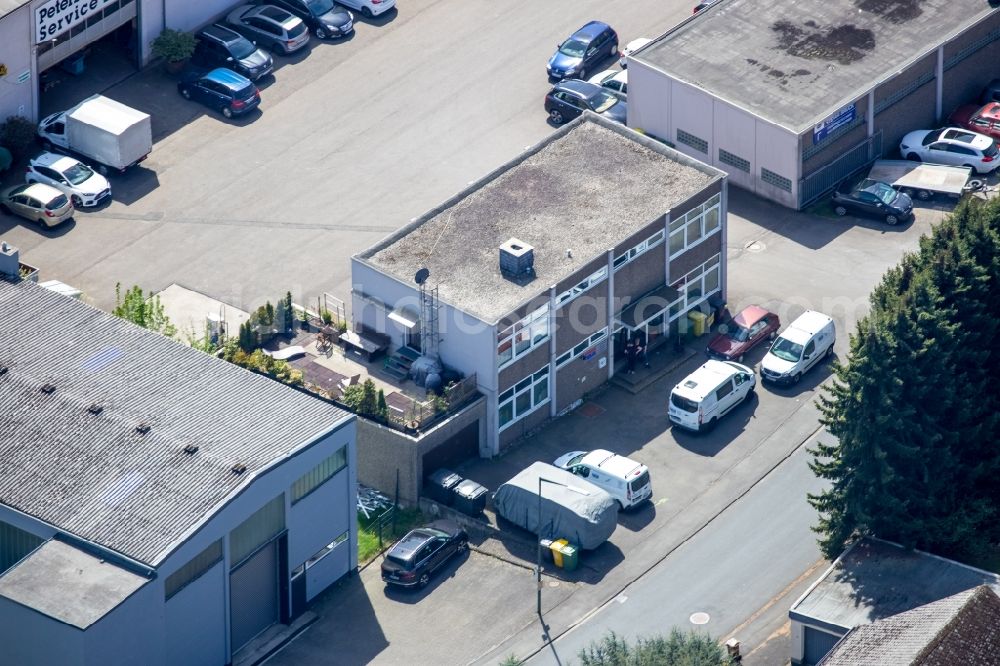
{"x": 100, "y": 131}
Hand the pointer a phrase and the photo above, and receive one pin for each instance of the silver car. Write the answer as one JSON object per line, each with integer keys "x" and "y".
{"x": 37, "y": 202}
{"x": 270, "y": 26}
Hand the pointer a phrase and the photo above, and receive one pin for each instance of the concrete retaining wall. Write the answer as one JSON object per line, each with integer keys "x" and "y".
{"x": 382, "y": 451}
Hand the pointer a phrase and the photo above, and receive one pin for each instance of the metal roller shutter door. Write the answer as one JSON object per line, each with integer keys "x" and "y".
{"x": 253, "y": 595}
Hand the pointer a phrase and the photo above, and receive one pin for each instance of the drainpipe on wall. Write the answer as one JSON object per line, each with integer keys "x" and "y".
{"x": 724, "y": 263}
{"x": 939, "y": 84}
{"x": 611, "y": 314}
{"x": 870, "y": 119}
{"x": 666, "y": 247}
{"x": 552, "y": 351}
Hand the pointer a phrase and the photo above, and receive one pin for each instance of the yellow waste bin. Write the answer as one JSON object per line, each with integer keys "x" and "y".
{"x": 557, "y": 551}
{"x": 698, "y": 321}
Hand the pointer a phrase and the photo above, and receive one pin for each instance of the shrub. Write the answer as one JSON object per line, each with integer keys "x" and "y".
{"x": 174, "y": 45}
{"x": 18, "y": 135}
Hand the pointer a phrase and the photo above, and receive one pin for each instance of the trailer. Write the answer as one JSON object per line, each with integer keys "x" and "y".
{"x": 921, "y": 181}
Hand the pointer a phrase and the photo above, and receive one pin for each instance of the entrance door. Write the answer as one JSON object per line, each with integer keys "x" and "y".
{"x": 253, "y": 595}
{"x": 412, "y": 338}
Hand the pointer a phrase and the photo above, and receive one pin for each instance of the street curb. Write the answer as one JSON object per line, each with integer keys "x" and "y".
{"x": 581, "y": 620}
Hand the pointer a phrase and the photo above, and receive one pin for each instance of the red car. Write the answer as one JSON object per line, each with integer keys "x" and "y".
{"x": 981, "y": 119}
{"x": 744, "y": 332}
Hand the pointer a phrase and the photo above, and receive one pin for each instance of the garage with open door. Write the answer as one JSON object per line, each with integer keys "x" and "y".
{"x": 456, "y": 449}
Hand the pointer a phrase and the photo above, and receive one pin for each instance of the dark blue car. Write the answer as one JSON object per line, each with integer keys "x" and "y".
{"x": 222, "y": 89}
{"x": 569, "y": 99}
{"x": 585, "y": 49}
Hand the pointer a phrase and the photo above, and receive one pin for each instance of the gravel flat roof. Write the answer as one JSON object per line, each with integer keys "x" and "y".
{"x": 586, "y": 188}
{"x": 795, "y": 63}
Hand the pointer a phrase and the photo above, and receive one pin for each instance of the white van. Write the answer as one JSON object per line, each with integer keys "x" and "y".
{"x": 623, "y": 478}
{"x": 807, "y": 341}
{"x": 709, "y": 393}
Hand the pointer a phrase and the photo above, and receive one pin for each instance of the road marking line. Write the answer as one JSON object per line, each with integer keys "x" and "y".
{"x": 775, "y": 599}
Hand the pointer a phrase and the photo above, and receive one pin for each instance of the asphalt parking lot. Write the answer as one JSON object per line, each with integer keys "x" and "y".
{"x": 355, "y": 138}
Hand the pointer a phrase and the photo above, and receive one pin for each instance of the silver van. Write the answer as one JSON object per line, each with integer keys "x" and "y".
{"x": 709, "y": 393}
{"x": 807, "y": 340}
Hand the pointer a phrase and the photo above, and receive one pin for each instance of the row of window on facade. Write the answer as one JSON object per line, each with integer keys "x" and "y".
{"x": 532, "y": 391}
{"x": 260, "y": 528}
{"x": 686, "y": 231}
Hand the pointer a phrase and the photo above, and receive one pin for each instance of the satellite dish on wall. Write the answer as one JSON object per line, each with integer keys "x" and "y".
{"x": 421, "y": 276}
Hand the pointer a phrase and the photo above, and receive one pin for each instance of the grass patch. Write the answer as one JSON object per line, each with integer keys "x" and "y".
{"x": 368, "y": 544}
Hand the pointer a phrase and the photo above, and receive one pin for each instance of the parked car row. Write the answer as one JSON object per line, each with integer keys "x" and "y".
{"x": 581, "y": 53}
{"x": 230, "y": 58}
{"x": 722, "y": 384}
{"x": 970, "y": 142}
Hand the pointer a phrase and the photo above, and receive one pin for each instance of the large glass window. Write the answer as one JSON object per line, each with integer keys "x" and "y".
{"x": 694, "y": 226}
{"x": 696, "y": 286}
{"x": 517, "y": 340}
{"x": 319, "y": 474}
{"x": 525, "y": 397}
{"x": 583, "y": 346}
{"x": 191, "y": 571}
{"x": 639, "y": 249}
{"x": 583, "y": 286}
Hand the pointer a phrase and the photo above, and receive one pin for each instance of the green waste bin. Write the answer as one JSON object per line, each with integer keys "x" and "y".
{"x": 570, "y": 555}
{"x": 697, "y": 323}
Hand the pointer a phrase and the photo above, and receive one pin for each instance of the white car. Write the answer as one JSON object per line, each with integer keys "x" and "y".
{"x": 953, "y": 146}
{"x": 84, "y": 186}
{"x": 625, "y": 479}
{"x": 631, "y": 48}
{"x": 369, "y": 8}
{"x": 615, "y": 80}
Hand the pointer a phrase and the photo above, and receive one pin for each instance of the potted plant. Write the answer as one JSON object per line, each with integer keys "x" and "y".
{"x": 175, "y": 47}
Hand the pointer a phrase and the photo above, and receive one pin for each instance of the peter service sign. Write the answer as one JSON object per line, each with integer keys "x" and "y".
{"x": 57, "y": 16}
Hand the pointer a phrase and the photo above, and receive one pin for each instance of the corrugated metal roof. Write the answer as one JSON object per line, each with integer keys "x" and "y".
{"x": 95, "y": 475}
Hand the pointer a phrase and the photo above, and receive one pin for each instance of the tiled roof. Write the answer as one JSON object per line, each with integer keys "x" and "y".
{"x": 875, "y": 579}
{"x": 961, "y": 629}
{"x": 96, "y": 475}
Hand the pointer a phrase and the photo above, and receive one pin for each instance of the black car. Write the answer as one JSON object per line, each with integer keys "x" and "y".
{"x": 570, "y": 98}
{"x": 412, "y": 560}
{"x": 222, "y": 89}
{"x": 325, "y": 18}
{"x": 874, "y": 199}
{"x": 218, "y": 46}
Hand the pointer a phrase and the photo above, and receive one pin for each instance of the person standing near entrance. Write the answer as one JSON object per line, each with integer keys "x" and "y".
{"x": 631, "y": 355}
{"x": 641, "y": 348}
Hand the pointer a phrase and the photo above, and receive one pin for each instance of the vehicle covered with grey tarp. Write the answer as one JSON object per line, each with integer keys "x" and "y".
{"x": 571, "y": 508}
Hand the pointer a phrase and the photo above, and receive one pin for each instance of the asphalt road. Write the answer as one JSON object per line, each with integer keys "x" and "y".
{"x": 731, "y": 569}
{"x": 353, "y": 140}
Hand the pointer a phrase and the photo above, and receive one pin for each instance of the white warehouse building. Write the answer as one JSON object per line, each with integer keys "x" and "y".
{"x": 790, "y": 98}
{"x": 158, "y": 506}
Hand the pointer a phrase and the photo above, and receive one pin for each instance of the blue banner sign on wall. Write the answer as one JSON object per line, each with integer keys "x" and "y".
{"x": 841, "y": 118}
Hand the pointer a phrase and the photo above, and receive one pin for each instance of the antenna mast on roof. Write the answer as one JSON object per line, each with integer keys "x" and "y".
{"x": 429, "y": 363}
